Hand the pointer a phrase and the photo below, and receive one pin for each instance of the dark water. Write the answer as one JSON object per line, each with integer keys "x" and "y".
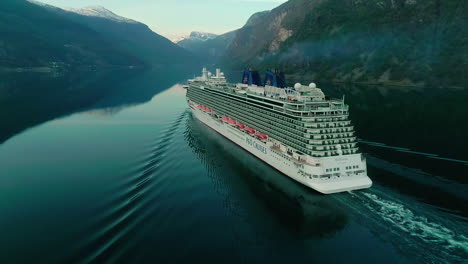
{"x": 111, "y": 167}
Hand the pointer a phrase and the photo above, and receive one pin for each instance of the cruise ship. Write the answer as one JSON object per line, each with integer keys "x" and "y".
{"x": 296, "y": 130}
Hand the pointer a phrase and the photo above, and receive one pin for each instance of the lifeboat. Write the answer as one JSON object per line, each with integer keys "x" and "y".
{"x": 232, "y": 122}
{"x": 250, "y": 130}
{"x": 261, "y": 136}
{"x": 240, "y": 126}
{"x": 225, "y": 119}
{"x": 208, "y": 110}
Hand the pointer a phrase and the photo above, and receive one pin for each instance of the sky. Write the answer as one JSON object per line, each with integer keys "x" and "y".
{"x": 176, "y": 18}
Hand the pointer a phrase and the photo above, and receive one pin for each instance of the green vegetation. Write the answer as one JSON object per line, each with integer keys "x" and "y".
{"x": 400, "y": 42}
{"x": 35, "y": 36}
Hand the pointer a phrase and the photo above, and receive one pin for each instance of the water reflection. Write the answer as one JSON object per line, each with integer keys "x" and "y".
{"x": 29, "y": 99}
{"x": 303, "y": 212}
{"x": 427, "y": 120}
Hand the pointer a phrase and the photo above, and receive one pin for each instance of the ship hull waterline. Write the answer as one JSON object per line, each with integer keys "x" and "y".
{"x": 258, "y": 149}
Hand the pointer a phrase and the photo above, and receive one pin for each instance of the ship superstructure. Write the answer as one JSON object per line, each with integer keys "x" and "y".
{"x": 296, "y": 129}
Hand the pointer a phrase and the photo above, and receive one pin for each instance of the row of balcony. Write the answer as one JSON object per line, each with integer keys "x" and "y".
{"x": 333, "y": 135}
{"x": 332, "y": 142}
{"x": 333, "y": 153}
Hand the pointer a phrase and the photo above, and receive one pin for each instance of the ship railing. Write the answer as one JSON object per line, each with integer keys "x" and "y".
{"x": 333, "y": 141}
{"x": 289, "y": 154}
{"x": 322, "y": 127}
{"x": 316, "y": 130}
{"x": 333, "y": 119}
{"x": 331, "y": 133}
{"x": 321, "y": 114}
{"x": 323, "y": 135}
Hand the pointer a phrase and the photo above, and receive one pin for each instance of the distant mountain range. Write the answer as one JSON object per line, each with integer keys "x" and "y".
{"x": 39, "y": 35}
{"x": 195, "y": 36}
{"x": 396, "y": 42}
{"x": 208, "y": 47}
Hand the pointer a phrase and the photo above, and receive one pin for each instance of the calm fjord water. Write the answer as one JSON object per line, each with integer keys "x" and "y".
{"x": 112, "y": 167}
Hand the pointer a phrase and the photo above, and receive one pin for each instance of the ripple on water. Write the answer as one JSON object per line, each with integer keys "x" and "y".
{"x": 132, "y": 201}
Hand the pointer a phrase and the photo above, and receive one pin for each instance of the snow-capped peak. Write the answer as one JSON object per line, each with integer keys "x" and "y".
{"x": 197, "y": 36}
{"x": 202, "y": 35}
{"x": 99, "y": 11}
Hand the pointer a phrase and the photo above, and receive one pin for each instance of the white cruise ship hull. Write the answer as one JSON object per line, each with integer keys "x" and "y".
{"x": 346, "y": 180}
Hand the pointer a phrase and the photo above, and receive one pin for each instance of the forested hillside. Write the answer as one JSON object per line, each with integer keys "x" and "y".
{"x": 402, "y": 42}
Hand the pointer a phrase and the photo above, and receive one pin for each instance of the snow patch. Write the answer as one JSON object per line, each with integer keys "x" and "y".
{"x": 99, "y": 11}
{"x": 197, "y": 36}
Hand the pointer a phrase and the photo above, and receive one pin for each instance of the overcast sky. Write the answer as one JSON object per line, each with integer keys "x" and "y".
{"x": 175, "y": 18}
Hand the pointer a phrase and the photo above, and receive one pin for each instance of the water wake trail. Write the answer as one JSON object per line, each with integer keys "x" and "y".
{"x": 430, "y": 237}
{"x": 132, "y": 201}
{"x": 407, "y": 150}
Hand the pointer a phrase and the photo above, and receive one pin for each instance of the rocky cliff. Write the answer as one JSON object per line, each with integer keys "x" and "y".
{"x": 401, "y": 42}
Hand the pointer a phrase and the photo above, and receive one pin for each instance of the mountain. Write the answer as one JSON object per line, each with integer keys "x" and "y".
{"x": 39, "y": 35}
{"x": 196, "y": 42}
{"x": 195, "y": 36}
{"x": 131, "y": 36}
{"x": 210, "y": 50}
{"x": 256, "y": 18}
{"x": 400, "y": 42}
{"x": 99, "y": 11}
{"x": 33, "y": 36}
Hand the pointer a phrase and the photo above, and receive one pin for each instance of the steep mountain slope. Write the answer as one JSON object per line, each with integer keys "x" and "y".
{"x": 99, "y": 11}
{"x": 131, "y": 36}
{"x": 407, "y": 42}
{"x": 194, "y": 39}
{"x": 34, "y": 36}
{"x": 211, "y": 50}
{"x": 196, "y": 43}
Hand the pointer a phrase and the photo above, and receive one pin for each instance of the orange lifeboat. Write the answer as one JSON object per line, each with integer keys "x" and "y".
{"x": 250, "y": 130}
{"x": 232, "y": 122}
{"x": 240, "y": 126}
{"x": 261, "y": 136}
{"x": 225, "y": 119}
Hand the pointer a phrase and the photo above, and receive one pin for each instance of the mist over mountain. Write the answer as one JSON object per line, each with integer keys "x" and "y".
{"x": 38, "y": 35}
{"x": 211, "y": 50}
{"x": 398, "y": 42}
